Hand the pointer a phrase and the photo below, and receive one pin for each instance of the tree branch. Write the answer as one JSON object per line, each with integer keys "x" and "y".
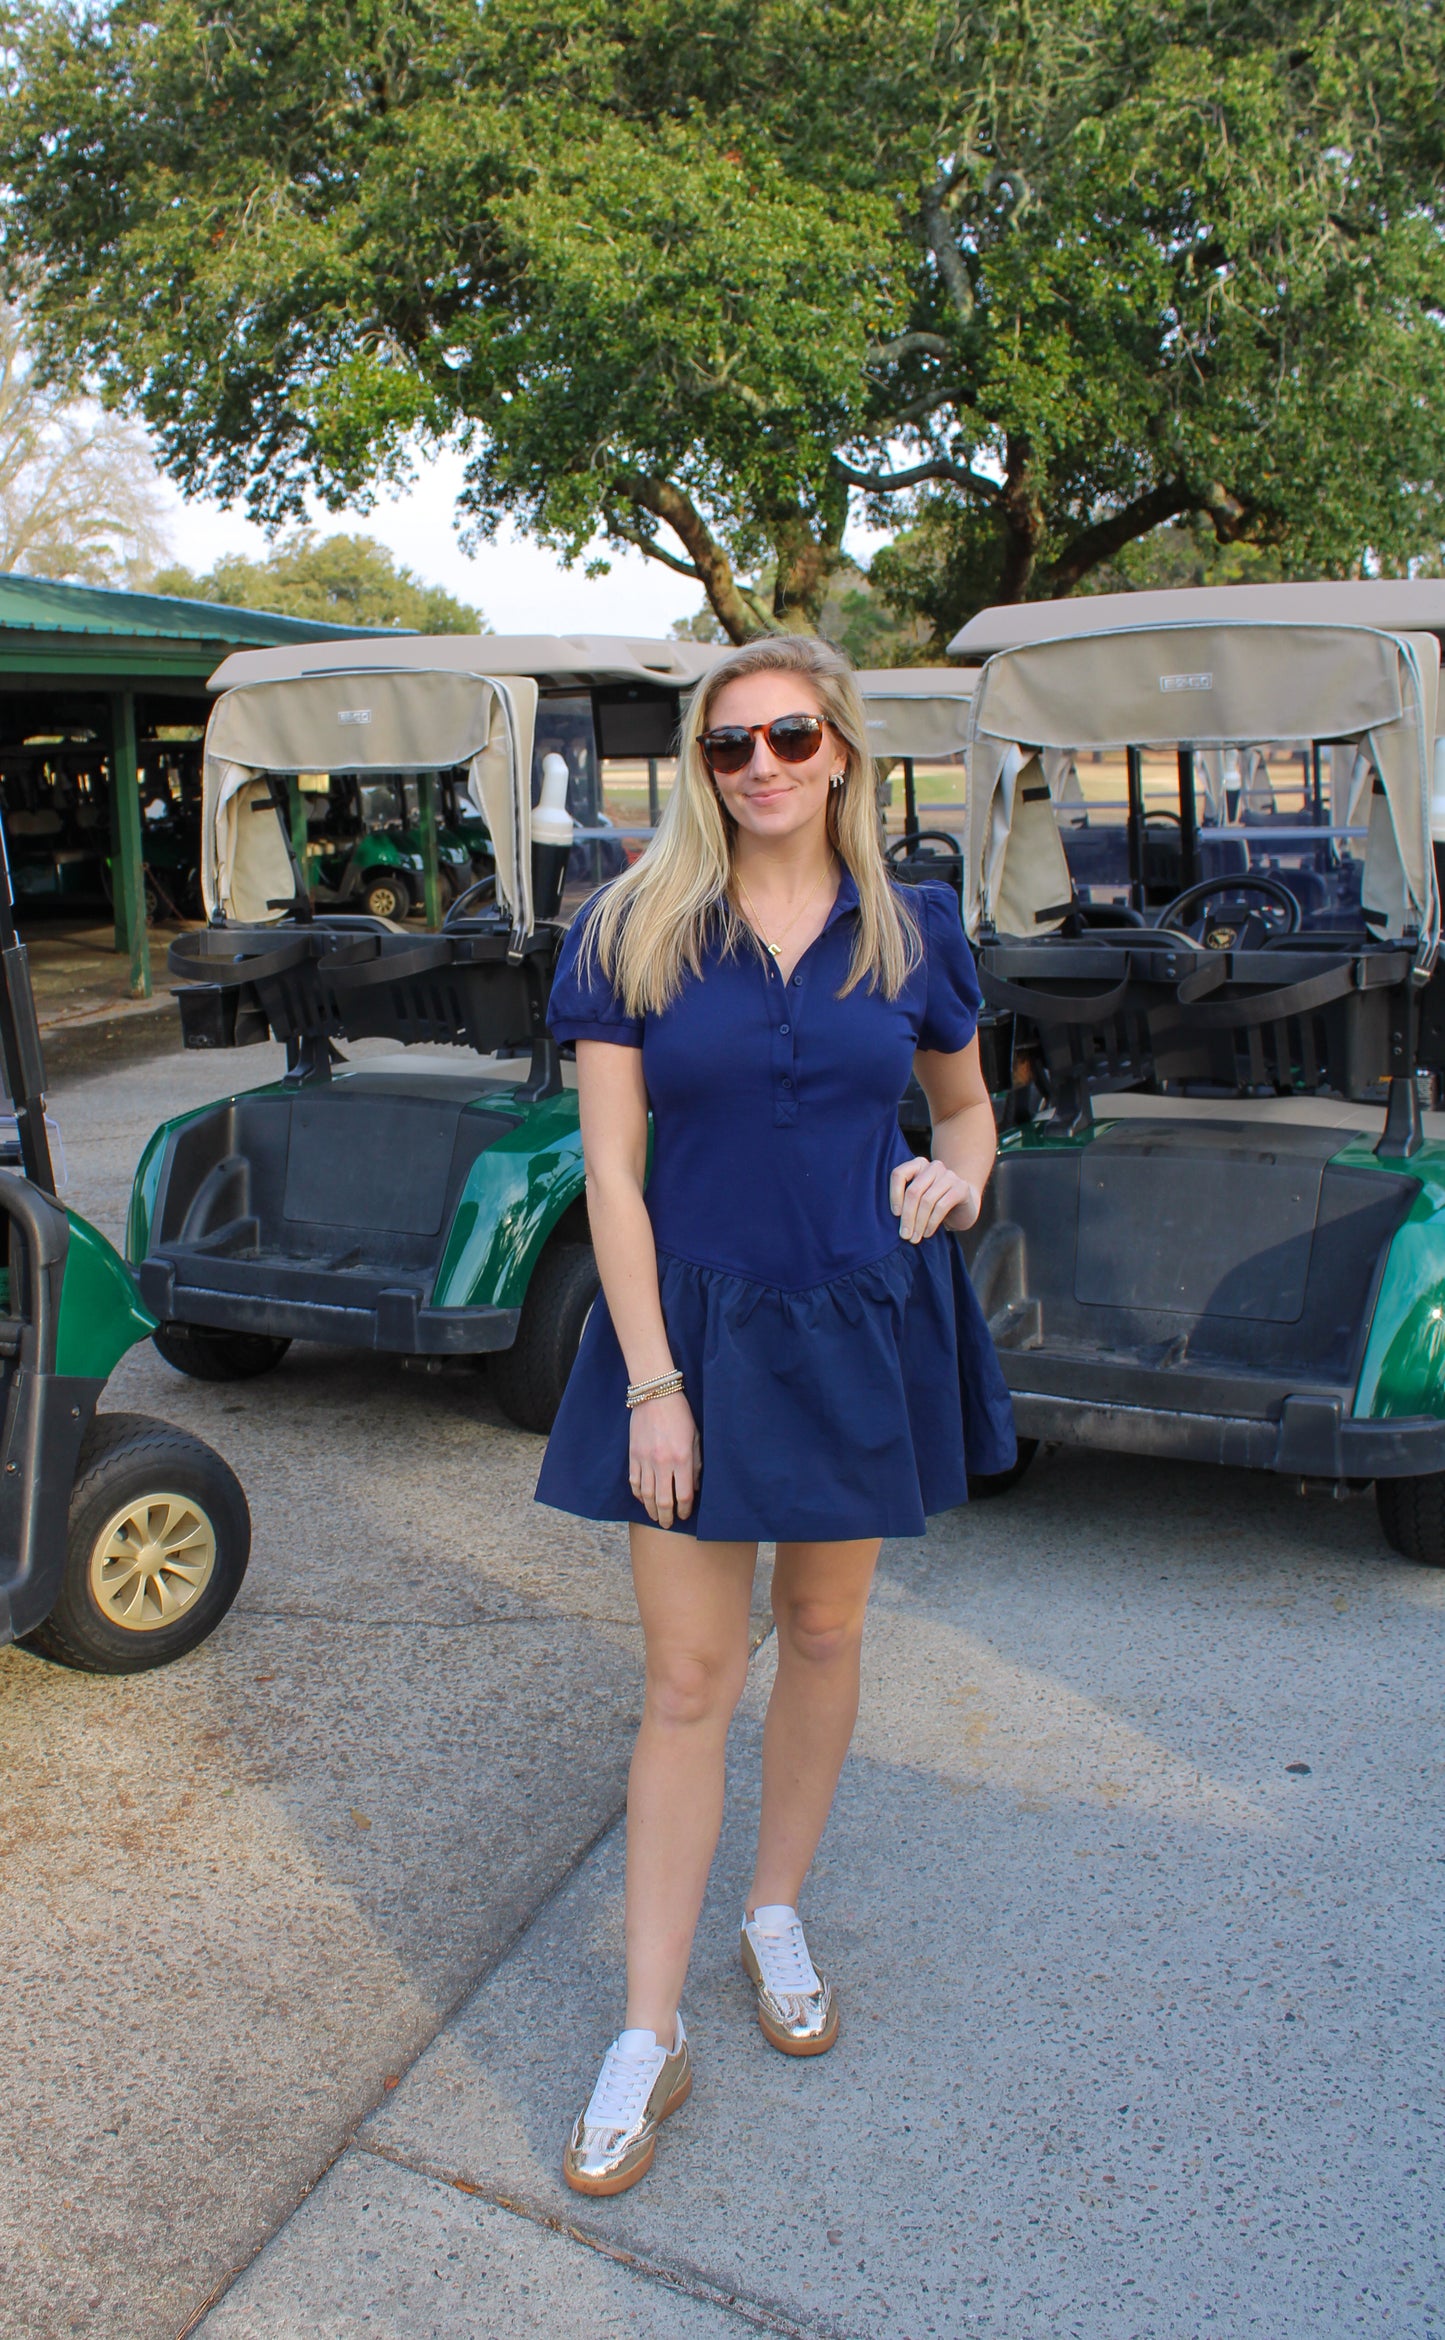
{"x": 654, "y": 550}
{"x": 1104, "y": 538}
{"x": 1229, "y": 515}
{"x": 887, "y": 483}
{"x": 904, "y": 345}
{"x": 902, "y": 416}
{"x": 739, "y": 616}
{"x": 944, "y": 246}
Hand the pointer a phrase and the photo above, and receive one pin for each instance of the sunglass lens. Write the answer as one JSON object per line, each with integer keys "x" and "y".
{"x": 793, "y": 738}
{"x": 727, "y": 750}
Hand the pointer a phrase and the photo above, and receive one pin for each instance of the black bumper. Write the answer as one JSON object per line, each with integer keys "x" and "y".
{"x": 346, "y": 1310}
{"x": 1311, "y": 1438}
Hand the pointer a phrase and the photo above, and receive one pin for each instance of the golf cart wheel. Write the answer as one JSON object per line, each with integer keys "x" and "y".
{"x": 385, "y": 894}
{"x": 1412, "y": 1514}
{"x": 159, "y": 1540}
{"x": 528, "y": 1379}
{"x": 210, "y": 1355}
{"x": 983, "y": 1484}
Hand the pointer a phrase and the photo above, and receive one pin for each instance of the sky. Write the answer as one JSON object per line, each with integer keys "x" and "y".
{"x": 519, "y": 588}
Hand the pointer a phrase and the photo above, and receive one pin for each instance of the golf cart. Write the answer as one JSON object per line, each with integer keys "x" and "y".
{"x": 1220, "y": 1234}
{"x": 428, "y": 1206}
{"x": 123, "y": 1541}
{"x": 354, "y": 855}
{"x": 919, "y": 715}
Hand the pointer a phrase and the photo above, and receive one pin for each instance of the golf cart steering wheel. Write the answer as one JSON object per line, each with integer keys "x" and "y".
{"x": 904, "y": 849}
{"x": 467, "y": 894}
{"x": 1187, "y": 911}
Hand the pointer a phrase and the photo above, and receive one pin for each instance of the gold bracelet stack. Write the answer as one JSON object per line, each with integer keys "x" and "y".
{"x": 663, "y": 1385}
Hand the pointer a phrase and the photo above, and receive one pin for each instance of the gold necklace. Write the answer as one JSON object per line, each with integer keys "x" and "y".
{"x": 774, "y": 948}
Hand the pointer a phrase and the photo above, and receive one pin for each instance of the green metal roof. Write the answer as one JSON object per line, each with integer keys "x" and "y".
{"x": 43, "y": 606}
{"x": 47, "y": 629}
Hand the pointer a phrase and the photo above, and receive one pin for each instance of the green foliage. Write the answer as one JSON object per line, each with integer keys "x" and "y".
{"x": 1025, "y": 284}
{"x": 350, "y": 578}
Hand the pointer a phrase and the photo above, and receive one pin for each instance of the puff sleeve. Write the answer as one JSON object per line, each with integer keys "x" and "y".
{"x": 953, "y": 998}
{"x": 586, "y": 1007}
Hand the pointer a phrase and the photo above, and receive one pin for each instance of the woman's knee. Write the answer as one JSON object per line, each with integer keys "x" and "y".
{"x": 819, "y": 1632}
{"x": 688, "y": 1687}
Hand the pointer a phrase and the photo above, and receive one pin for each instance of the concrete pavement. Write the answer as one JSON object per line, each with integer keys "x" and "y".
{"x": 242, "y": 1892}
{"x": 1133, "y": 1894}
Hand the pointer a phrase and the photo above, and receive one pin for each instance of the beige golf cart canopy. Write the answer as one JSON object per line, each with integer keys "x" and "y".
{"x": 919, "y": 711}
{"x": 568, "y": 661}
{"x": 407, "y": 703}
{"x": 1399, "y": 605}
{"x": 1228, "y": 684}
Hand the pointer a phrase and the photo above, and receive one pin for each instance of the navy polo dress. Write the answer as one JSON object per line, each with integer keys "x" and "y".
{"x": 843, "y": 1381}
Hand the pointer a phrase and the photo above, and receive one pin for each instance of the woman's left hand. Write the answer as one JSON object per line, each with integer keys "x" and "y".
{"x": 928, "y": 1195}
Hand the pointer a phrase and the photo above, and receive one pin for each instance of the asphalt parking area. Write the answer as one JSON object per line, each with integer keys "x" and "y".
{"x": 1140, "y": 2021}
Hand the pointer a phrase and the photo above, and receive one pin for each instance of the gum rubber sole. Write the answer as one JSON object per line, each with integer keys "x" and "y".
{"x": 601, "y": 2187}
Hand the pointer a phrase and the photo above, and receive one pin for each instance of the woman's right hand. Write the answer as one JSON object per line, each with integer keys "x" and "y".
{"x": 664, "y": 1459}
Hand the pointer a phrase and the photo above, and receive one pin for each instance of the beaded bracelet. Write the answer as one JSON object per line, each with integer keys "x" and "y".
{"x": 664, "y": 1385}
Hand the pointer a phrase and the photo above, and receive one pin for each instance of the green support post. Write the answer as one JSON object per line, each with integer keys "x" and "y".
{"x": 132, "y": 935}
{"x": 427, "y": 817}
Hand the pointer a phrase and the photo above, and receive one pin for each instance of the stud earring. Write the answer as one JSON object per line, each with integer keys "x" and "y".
{"x": 837, "y": 780}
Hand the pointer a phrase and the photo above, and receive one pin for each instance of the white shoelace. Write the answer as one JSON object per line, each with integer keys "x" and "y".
{"x": 629, "y": 2071}
{"x": 781, "y": 1948}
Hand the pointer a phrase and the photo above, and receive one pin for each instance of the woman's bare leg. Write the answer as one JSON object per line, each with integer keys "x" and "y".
{"x": 820, "y": 1593}
{"x": 694, "y": 1600}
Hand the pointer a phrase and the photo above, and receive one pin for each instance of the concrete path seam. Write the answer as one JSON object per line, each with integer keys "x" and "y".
{"x": 690, "y": 2281}
{"x": 419, "y": 1624}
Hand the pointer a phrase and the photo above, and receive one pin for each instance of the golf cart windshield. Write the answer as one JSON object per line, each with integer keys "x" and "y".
{"x": 1123, "y": 768}
{"x": 373, "y": 721}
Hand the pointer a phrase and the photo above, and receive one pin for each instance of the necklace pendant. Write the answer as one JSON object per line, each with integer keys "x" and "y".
{"x": 773, "y": 948}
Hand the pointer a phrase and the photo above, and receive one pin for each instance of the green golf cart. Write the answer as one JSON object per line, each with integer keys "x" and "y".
{"x": 123, "y": 1541}
{"x": 429, "y": 1205}
{"x": 1201, "y": 886}
{"x": 354, "y": 855}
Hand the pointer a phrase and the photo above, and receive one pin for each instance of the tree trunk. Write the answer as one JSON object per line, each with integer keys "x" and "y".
{"x": 1023, "y": 520}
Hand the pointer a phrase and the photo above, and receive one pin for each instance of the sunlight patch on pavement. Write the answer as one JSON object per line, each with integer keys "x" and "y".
{"x": 939, "y": 1700}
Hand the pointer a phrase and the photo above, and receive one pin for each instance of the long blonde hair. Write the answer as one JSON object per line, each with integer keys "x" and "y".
{"x": 649, "y": 927}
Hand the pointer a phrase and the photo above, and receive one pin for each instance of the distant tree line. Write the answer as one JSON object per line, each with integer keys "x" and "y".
{"x": 1051, "y": 294}
{"x": 352, "y": 579}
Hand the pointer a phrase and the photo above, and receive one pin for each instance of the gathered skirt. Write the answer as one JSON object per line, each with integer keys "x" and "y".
{"x": 854, "y": 1408}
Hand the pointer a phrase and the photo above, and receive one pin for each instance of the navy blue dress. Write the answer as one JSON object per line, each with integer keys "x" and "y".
{"x": 843, "y": 1381}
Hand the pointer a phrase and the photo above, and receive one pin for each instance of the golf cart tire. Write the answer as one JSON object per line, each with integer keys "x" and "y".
{"x": 385, "y": 895}
{"x": 208, "y": 1354}
{"x": 982, "y": 1485}
{"x": 128, "y": 1458}
{"x": 1412, "y": 1514}
{"x": 528, "y": 1379}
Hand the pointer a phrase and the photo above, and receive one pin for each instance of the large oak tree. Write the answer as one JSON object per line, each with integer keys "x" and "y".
{"x": 1025, "y": 282}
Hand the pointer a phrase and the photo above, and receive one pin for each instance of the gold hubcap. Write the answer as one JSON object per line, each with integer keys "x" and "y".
{"x": 152, "y": 1561}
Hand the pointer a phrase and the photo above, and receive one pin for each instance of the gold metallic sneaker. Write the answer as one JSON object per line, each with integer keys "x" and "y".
{"x": 796, "y": 2006}
{"x": 614, "y": 2140}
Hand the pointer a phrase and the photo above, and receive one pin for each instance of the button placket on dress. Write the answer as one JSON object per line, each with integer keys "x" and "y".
{"x": 782, "y": 1039}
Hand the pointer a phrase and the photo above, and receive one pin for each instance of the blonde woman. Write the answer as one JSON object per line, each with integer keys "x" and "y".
{"x": 787, "y": 1349}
